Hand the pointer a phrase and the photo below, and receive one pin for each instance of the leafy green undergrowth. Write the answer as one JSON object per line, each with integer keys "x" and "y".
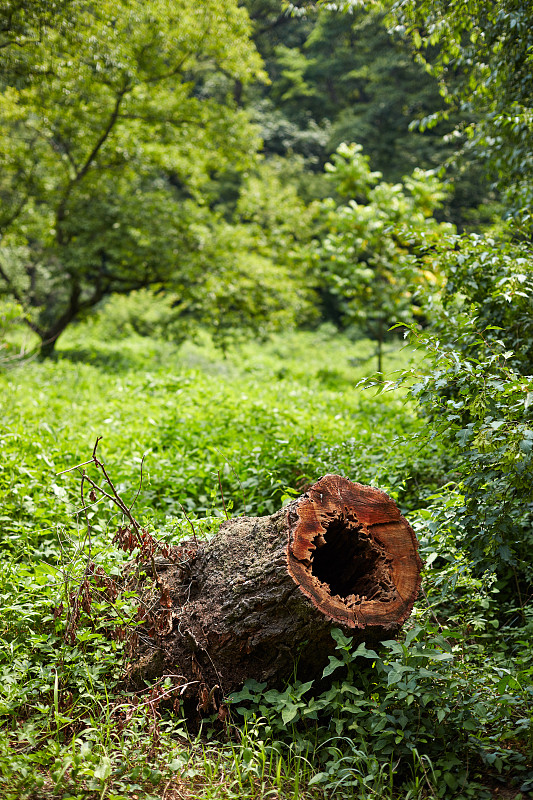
{"x": 445, "y": 711}
{"x": 426, "y": 716}
{"x": 190, "y": 436}
{"x": 194, "y": 418}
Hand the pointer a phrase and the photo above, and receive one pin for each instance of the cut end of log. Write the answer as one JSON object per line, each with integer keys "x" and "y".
{"x": 353, "y": 555}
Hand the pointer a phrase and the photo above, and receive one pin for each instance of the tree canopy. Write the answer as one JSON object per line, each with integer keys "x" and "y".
{"x": 130, "y": 139}
{"x": 112, "y": 120}
{"x": 482, "y": 54}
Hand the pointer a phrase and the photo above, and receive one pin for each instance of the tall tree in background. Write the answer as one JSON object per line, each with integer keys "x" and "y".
{"x": 488, "y": 49}
{"x": 353, "y": 77}
{"x": 343, "y": 77}
{"x": 113, "y": 117}
{"x": 370, "y": 258}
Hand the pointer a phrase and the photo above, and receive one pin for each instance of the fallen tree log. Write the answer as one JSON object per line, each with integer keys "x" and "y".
{"x": 266, "y": 591}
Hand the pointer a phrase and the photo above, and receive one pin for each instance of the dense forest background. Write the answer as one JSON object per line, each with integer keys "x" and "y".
{"x": 249, "y": 244}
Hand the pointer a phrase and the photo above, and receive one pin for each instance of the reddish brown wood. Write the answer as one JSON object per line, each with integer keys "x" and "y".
{"x": 267, "y": 590}
{"x": 353, "y": 555}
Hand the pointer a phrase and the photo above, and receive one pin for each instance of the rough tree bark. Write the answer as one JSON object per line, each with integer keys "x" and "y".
{"x": 267, "y": 590}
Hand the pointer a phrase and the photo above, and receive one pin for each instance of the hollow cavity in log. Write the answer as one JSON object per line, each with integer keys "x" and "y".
{"x": 350, "y": 564}
{"x": 353, "y": 555}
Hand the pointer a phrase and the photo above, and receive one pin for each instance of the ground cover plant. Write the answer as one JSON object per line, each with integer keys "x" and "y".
{"x": 443, "y": 712}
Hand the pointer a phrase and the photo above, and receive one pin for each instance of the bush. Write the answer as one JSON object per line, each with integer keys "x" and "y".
{"x": 477, "y": 392}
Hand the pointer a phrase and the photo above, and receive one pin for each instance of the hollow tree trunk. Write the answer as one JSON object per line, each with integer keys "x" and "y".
{"x": 266, "y": 591}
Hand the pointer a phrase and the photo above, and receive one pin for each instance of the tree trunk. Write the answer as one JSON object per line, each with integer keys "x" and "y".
{"x": 266, "y": 591}
{"x": 47, "y": 348}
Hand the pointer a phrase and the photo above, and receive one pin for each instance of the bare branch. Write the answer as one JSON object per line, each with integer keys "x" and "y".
{"x": 190, "y": 523}
{"x": 222, "y": 493}
{"x": 70, "y": 469}
{"x": 105, "y": 133}
{"x": 140, "y": 484}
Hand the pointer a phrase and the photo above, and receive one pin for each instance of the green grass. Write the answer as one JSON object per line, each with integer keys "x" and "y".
{"x": 260, "y": 425}
{"x": 265, "y": 419}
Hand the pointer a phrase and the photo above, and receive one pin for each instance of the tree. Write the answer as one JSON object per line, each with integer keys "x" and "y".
{"x": 238, "y": 287}
{"x": 246, "y": 274}
{"x": 111, "y": 123}
{"x": 369, "y": 258}
{"x": 344, "y": 77}
{"x": 481, "y": 53}
{"x": 257, "y": 280}
{"x": 476, "y": 390}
